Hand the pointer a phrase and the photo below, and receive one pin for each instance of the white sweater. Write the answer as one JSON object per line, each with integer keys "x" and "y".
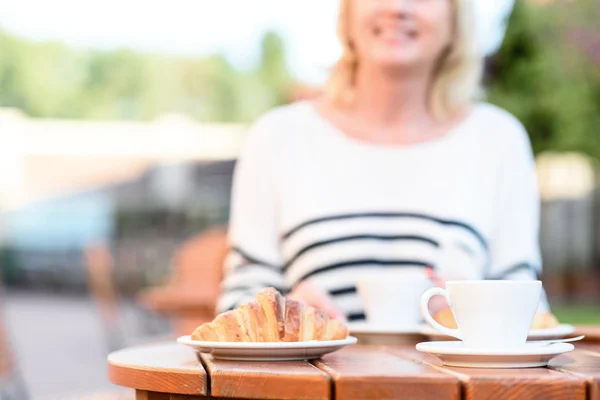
{"x": 310, "y": 202}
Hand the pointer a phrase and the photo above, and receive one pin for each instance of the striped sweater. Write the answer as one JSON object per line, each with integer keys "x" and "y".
{"x": 309, "y": 202}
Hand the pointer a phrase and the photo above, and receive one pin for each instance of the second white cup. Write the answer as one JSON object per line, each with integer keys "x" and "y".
{"x": 391, "y": 300}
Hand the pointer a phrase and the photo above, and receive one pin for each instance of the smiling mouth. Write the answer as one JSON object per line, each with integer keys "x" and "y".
{"x": 395, "y": 33}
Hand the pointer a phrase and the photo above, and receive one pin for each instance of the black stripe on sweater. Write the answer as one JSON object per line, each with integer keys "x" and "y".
{"x": 342, "y": 291}
{"x": 356, "y": 316}
{"x": 253, "y": 260}
{"x": 341, "y": 239}
{"x": 442, "y": 221}
{"x": 247, "y": 264}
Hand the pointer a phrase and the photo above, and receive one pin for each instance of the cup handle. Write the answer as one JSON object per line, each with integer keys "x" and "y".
{"x": 436, "y": 291}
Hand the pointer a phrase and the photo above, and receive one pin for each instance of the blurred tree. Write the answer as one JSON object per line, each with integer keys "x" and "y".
{"x": 547, "y": 77}
{"x": 51, "y": 80}
{"x": 273, "y": 71}
{"x": 40, "y": 79}
{"x": 10, "y": 73}
{"x": 114, "y": 84}
{"x": 161, "y": 90}
{"x": 270, "y": 84}
{"x": 209, "y": 86}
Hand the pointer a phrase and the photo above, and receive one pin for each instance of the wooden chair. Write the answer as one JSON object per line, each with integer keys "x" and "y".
{"x": 191, "y": 294}
{"x": 12, "y": 386}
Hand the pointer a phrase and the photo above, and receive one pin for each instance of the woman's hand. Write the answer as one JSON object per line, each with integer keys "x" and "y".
{"x": 315, "y": 297}
{"x": 437, "y": 303}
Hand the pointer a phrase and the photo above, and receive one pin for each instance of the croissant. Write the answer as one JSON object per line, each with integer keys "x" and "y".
{"x": 271, "y": 318}
{"x": 544, "y": 321}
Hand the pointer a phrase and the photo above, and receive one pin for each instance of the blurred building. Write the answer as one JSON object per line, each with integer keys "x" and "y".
{"x": 66, "y": 184}
{"x": 41, "y": 158}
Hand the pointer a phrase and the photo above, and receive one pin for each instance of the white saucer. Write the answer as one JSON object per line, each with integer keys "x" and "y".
{"x": 454, "y": 354}
{"x": 561, "y": 331}
{"x": 367, "y": 333}
{"x": 371, "y": 329}
{"x": 267, "y": 351}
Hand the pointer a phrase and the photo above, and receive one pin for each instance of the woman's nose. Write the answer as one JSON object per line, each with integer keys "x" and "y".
{"x": 400, "y": 7}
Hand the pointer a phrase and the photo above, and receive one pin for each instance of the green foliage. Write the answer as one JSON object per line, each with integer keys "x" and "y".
{"x": 584, "y": 314}
{"x": 546, "y": 74}
{"x": 52, "y": 80}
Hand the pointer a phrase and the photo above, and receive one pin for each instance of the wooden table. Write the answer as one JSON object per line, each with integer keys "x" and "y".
{"x": 167, "y": 371}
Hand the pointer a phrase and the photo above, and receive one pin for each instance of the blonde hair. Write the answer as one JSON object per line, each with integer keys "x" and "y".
{"x": 457, "y": 74}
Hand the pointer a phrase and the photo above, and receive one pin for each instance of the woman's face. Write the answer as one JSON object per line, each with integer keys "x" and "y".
{"x": 400, "y": 33}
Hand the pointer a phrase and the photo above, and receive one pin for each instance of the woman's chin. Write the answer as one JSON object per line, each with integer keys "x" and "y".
{"x": 399, "y": 64}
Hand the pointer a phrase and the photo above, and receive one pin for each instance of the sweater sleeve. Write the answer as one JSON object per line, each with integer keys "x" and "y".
{"x": 254, "y": 260}
{"x": 514, "y": 245}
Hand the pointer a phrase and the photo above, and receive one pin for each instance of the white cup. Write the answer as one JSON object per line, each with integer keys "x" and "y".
{"x": 489, "y": 314}
{"x": 391, "y": 300}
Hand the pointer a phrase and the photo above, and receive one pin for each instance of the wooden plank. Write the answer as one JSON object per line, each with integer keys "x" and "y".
{"x": 368, "y": 372}
{"x": 584, "y": 364}
{"x": 506, "y": 384}
{"x": 591, "y": 346}
{"x": 162, "y": 367}
{"x": 266, "y": 380}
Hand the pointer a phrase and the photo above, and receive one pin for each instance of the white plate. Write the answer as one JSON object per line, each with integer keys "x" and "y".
{"x": 558, "y": 332}
{"x": 370, "y": 329}
{"x": 384, "y": 335}
{"x": 267, "y": 351}
{"x": 531, "y": 355}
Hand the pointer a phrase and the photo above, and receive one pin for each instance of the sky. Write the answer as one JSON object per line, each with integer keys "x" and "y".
{"x": 198, "y": 27}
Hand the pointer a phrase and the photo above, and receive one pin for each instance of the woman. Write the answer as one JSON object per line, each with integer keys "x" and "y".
{"x": 395, "y": 166}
